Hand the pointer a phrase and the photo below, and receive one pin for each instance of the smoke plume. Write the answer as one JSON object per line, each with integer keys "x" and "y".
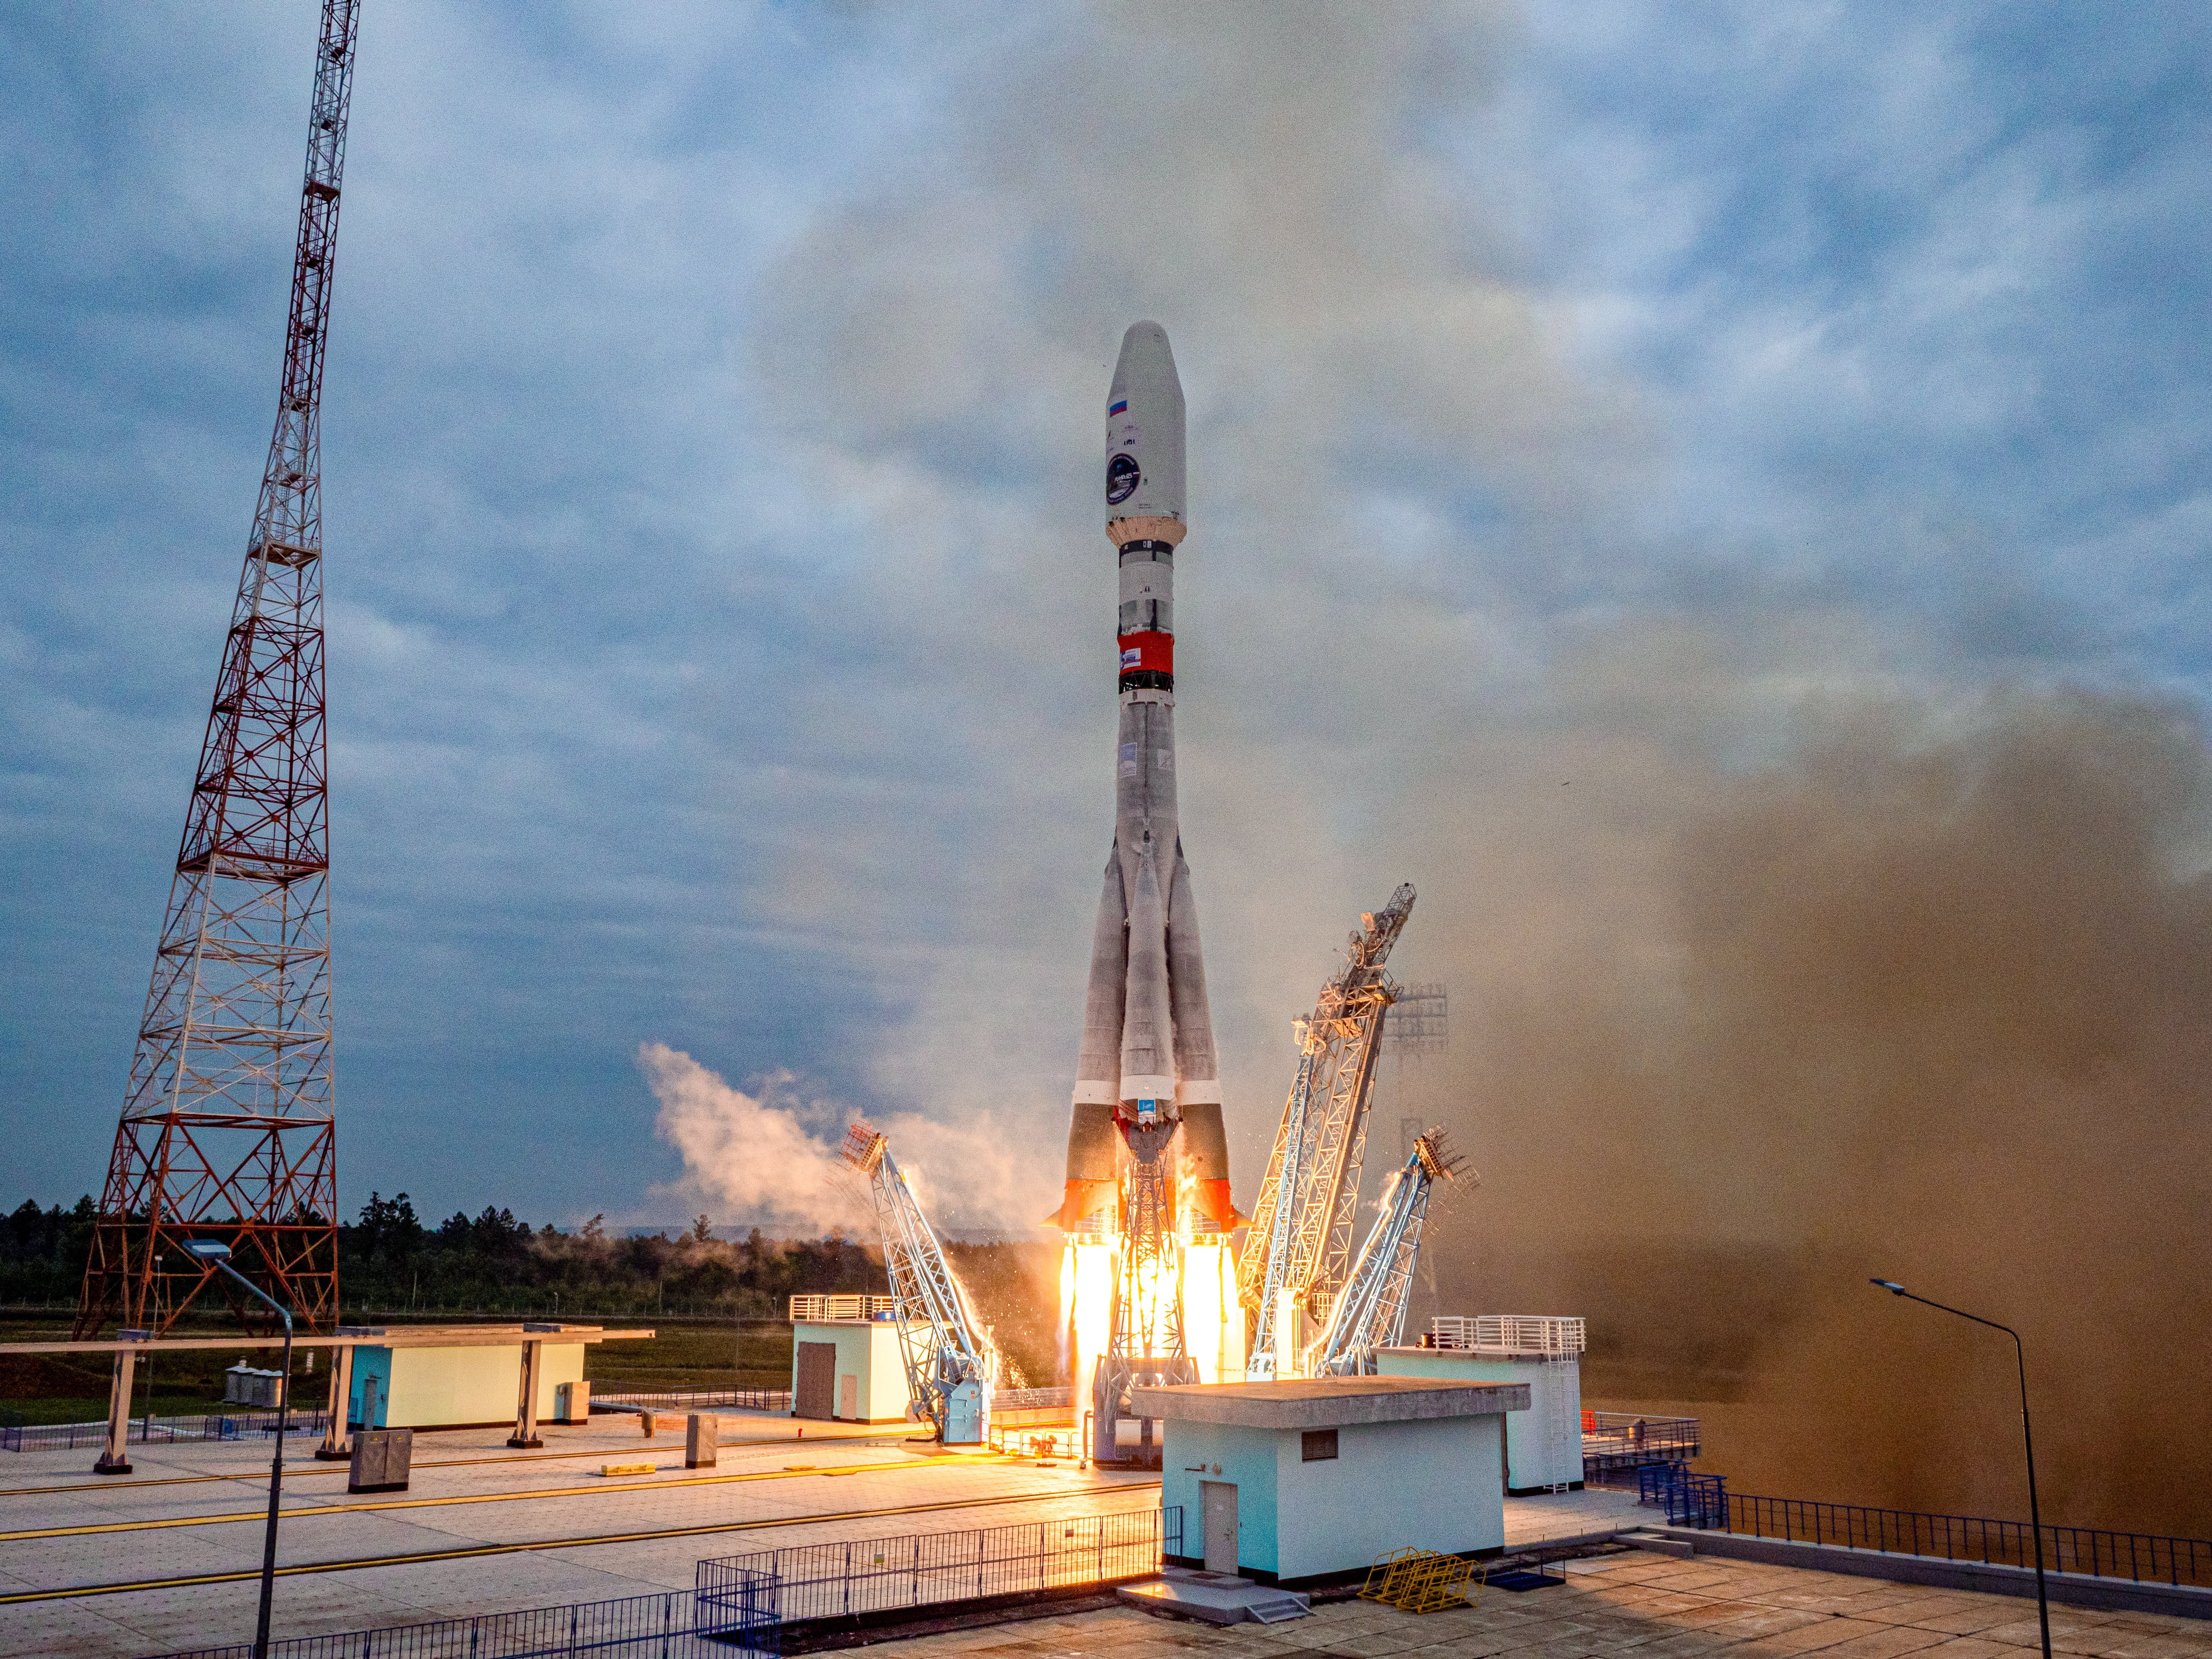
{"x": 770, "y": 1158}
{"x": 1926, "y": 999}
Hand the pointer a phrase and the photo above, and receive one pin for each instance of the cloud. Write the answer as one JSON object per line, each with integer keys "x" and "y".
{"x": 1583, "y": 401}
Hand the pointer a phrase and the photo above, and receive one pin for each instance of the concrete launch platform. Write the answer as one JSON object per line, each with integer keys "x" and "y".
{"x": 168, "y": 1558}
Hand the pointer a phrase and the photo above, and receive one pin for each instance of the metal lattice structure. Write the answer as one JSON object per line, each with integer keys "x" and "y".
{"x": 1147, "y": 1345}
{"x": 950, "y": 1365}
{"x": 228, "y": 1130}
{"x": 1369, "y": 1313}
{"x": 1420, "y": 1022}
{"x": 1299, "y": 1248}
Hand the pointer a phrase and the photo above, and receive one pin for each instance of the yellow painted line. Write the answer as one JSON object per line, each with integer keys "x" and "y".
{"x": 440, "y": 1502}
{"x": 319, "y": 1465}
{"x": 478, "y": 1550}
{"x": 291, "y": 1473}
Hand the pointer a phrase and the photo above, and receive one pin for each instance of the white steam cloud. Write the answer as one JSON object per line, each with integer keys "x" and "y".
{"x": 770, "y": 1158}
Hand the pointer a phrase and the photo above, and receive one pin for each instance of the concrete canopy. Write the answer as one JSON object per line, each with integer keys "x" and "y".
{"x": 1324, "y": 1402}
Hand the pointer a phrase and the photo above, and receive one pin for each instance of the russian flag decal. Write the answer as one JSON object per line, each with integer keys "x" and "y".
{"x": 1117, "y": 408}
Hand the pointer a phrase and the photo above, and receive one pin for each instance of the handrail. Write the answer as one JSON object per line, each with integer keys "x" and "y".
{"x": 2141, "y": 1558}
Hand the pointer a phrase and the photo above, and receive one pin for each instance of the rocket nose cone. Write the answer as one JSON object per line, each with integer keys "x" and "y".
{"x": 1144, "y": 433}
{"x": 1146, "y": 358}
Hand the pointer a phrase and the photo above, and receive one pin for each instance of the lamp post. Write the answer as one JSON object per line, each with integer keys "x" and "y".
{"x": 2026, "y": 1435}
{"x": 146, "y": 1434}
{"x": 217, "y": 1255}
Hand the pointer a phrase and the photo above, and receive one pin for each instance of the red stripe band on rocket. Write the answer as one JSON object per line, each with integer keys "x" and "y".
{"x": 1148, "y": 659}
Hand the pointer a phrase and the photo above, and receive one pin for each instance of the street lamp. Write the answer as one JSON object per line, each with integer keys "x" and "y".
{"x": 146, "y": 1435}
{"x": 215, "y": 1254}
{"x": 2026, "y": 1435}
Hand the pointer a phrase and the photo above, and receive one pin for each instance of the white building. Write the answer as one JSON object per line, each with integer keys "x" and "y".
{"x": 847, "y": 1365}
{"x": 1293, "y": 1482}
{"x": 1540, "y": 1351}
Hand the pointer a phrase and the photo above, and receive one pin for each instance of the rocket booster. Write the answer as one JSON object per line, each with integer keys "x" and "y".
{"x": 1147, "y": 1067}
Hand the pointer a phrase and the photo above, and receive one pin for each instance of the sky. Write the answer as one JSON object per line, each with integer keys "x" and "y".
{"x": 1600, "y": 413}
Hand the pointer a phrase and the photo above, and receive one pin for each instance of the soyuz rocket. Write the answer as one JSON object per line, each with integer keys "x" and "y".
{"x": 1146, "y": 1079}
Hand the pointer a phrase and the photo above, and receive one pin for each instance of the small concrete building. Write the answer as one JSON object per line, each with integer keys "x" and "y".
{"x": 1295, "y": 1482}
{"x": 1543, "y": 1444}
{"x": 438, "y": 1380}
{"x": 847, "y": 1365}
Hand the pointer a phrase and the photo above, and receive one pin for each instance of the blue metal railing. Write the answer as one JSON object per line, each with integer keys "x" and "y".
{"x": 1689, "y": 1499}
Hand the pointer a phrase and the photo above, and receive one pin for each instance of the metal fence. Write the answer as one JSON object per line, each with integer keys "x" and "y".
{"x": 1690, "y": 1499}
{"x": 2143, "y": 1557}
{"x": 697, "y": 1400}
{"x": 635, "y": 1627}
{"x": 778, "y": 1400}
{"x": 1616, "y": 1445}
{"x": 741, "y": 1601}
{"x": 1628, "y": 1431}
{"x": 219, "y": 1426}
{"x": 1040, "y": 1399}
{"x": 743, "y": 1596}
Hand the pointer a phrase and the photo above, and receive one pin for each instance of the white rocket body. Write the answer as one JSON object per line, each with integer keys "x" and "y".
{"x": 1147, "y": 1061}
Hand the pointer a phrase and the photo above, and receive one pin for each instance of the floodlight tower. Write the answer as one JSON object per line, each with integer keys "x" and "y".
{"x": 227, "y": 1133}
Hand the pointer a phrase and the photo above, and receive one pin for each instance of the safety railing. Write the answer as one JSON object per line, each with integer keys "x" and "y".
{"x": 745, "y": 1597}
{"x": 2143, "y": 1558}
{"x": 1689, "y": 1499}
{"x": 740, "y": 1602}
{"x": 1038, "y": 1399}
{"x": 636, "y": 1627}
{"x": 1531, "y": 1334}
{"x": 1034, "y": 1434}
{"x": 215, "y": 1425}
{"x": 1616, "y": 1445}
{"x": 838, "y": 1310}
{"x": 694, "y": 1399}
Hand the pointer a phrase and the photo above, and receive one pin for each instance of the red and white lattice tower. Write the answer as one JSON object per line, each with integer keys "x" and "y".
{"x": 227, "y": 1130}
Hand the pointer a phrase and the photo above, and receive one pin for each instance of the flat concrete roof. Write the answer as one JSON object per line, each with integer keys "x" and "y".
{"x": 1329, "y": 1402}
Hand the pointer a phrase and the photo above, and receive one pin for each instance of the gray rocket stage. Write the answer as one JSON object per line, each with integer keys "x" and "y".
{"x": 1147, "y": 1077}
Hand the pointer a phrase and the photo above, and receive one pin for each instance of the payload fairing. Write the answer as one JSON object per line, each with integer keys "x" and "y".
{"x": 1147, "y": 1067}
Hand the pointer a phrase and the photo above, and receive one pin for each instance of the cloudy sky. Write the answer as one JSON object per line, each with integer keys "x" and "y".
{"x": 1594, "y": 408}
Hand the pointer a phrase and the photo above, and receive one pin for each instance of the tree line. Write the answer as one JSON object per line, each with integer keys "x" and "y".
{"x": 390, "y": 1260}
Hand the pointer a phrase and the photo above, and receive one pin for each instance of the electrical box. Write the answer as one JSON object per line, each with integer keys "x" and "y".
{"x": 702, "y": 1434}
{"x": 382, "y": 1460}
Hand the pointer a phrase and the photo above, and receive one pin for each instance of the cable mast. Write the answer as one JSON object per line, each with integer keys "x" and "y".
{"x": 1300, "y": 1246}
{"x": 1369, "y": 1313}
{"x": 951, "y": 1365}
{"x": 227, "y": 1130}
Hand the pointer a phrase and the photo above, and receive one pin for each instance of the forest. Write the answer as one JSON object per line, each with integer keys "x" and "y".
{"x": 492, "y": 1266}
{"x": 390, "y": 1262}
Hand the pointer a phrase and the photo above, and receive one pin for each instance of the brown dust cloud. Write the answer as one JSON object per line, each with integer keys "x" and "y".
{"x": 1930, "y": 1003}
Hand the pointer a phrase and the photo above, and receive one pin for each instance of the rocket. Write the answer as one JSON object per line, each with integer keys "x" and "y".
{"x": 1147, "y": 1077}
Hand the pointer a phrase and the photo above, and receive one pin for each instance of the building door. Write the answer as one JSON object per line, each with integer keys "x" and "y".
{"x": 816, "y": 1376}
{"x": 849, "y": 1398}
{"x": 1220, "y": 1498}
